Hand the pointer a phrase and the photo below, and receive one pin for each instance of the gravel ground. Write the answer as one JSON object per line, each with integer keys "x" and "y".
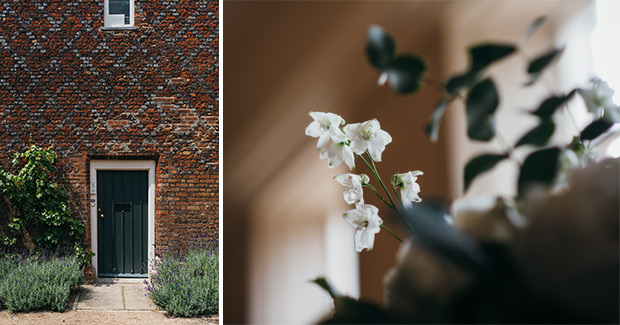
{"x": 101, "y": 317}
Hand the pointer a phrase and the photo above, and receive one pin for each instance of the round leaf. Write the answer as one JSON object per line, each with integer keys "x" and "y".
{"x": 485, "y": 54}
{"x": 481, "y": 103}
{"x": 480, "y": 165}
{"x": 539, "y": 168}
{"x": 550, "y": 105}
{"x": 596, "y": 128}
{"x": 405, "y": 73}
{"x": 538, "y": 64}
{"x": 380, "y": 47}
{"x": 539, "y": 135}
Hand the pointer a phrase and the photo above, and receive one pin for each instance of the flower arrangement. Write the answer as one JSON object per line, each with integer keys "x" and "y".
{"x": 547, "y": 255}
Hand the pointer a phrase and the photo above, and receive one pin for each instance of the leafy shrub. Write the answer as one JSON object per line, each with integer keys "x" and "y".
{"x": 39, "y": 205}
{"x": 31, "y": 282}
{"x": 187, "y": 285}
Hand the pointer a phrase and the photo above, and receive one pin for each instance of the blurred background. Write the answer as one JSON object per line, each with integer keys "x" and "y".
{"x": 282, "y": 224}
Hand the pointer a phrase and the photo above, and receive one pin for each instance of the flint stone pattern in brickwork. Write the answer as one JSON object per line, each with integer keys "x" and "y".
{"x": 148, "y": 93}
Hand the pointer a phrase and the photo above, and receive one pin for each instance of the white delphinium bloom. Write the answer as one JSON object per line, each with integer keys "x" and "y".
{"x": 326, "y": 126}
{"x": 598, "y": 97}
{"x": 353, "y": 193}
{"x": 365, "y": 218}
{"x": 337, "y": 153}
{"x": 368, "y": 136}
{"x": 409, "y": 189}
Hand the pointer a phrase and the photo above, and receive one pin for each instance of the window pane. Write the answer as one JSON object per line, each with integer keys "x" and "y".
{"x": 120, "y": 7}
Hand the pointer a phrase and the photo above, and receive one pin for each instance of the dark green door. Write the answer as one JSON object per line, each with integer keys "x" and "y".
{"x": 122, "y": 220}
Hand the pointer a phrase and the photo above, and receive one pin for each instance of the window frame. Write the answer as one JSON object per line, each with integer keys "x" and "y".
{"x": 106, "y": 17}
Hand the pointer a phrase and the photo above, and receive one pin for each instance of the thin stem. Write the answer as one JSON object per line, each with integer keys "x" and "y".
{"x": 391, "y": 233}
{"x": 373, "y": 188}
{"x": 437, "y": 84}
{"x": 549, "y": 84}
{"x": 397, "y": 196}
{"x": 374, "y": 170}
{"x": 379, "y": 196}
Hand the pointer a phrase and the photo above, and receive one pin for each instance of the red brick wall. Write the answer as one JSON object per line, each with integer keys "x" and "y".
{"x": 149, "y": 93}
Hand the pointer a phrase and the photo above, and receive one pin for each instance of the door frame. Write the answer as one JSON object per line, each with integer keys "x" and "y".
{"x": 148, "y": 165}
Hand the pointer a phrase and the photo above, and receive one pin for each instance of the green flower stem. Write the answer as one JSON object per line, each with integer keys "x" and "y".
{"x": 379, "y": 196}
{"x": 397, "y": 196}
{"x": 374, "y": 170}
{"x": 391, "y": 233}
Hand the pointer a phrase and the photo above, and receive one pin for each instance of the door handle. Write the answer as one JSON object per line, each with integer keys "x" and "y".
{"x": 101, "y": 215}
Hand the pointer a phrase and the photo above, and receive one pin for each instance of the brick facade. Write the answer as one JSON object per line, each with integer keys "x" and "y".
{"x": 149, "y": 93}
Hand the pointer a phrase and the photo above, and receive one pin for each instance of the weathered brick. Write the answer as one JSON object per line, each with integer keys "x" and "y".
{"x": 150, "y": 93}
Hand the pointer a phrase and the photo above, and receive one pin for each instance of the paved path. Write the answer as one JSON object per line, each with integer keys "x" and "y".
{"x": 114, "y": 296}
{"x": 111, "y": 302}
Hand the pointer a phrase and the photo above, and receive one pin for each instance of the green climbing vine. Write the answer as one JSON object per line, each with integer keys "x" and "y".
{"x": 40, "y": 206}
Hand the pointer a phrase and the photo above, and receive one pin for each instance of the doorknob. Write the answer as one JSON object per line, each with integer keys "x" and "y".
{"x": 101, "y": 215}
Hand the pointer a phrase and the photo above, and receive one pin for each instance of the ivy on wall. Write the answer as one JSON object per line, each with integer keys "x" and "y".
{"x": 40, "y": 206}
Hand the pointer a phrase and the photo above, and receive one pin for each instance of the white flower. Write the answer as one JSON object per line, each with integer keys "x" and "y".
{"x": 324, "y": 127}
{"x": 353, "y": 192}
{"x": 337, "y": 153}
{"x": 598, "y": 97}
{"x": 409, "y": 189}
{"x": 366, "y": 220}
{"x": 368, "y": 136}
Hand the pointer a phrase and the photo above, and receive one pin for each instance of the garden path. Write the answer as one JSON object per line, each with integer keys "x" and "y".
{"x": 126, "y": 294}
{"x": 106, "y": 302}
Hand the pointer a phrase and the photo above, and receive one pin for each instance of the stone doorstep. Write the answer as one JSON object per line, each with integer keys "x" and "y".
{"x": 114, "y": 295}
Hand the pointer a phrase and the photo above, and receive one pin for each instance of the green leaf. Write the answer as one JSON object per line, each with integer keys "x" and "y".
{"x": 432, "y": 128}
{"x": 596, "y": 128}
{"x": 322, "y": 282}
{"x": 480, "y": 165}
{"x": 485, "y": 54}
{"x": 539, "y": 168}
{"x": 539, "y": 63}
{"x": 550, "y": 105}
{"x": 405, "y": 73}
{"x": 539, "y": 135}
{"x": 481, "y": 103}
{"x": 380, "y": 47}
{"x": 458, "y": 82}
{"x": 533, "y": 27}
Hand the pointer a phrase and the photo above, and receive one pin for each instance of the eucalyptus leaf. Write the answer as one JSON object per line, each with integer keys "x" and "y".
{"x": 380, "y": 47}
{"x": 479, "y": 165}
{"x": 432, "y": 128}
{"x": 541, "y": 62}
{"x": 485, "y": 54}
{"x": 458, "y": 82}
{"x": 405, "y": 73}
{"x": 481, "y": 103}
{"x": 322, "y": 282}
{"x": 550, "y": 105}
{"x": 539, "y": 168}
{"x": 436, "y": 234}
{"x": 596, "y": 128}
{"x": 348, "y": 310}
{"x": 540, "y": 134}
{"x": 533, "y": 27}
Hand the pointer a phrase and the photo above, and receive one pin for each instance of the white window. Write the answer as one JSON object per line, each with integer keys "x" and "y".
{"x": 118, "y": 13}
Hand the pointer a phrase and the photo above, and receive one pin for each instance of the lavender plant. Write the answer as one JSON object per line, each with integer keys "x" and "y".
{"x": 187, "y": 284}
{"x": 38, "y": 282}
